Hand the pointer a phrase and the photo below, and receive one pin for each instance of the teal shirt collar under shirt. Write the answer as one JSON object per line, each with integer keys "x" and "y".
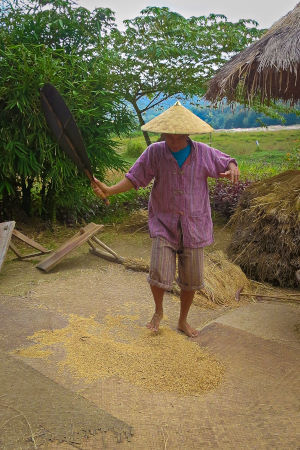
{"x": 182, "y": 155}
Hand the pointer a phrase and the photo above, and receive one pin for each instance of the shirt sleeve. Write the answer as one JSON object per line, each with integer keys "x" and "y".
{"x": 142, "y": 172}
{"x": 216, "y": 161}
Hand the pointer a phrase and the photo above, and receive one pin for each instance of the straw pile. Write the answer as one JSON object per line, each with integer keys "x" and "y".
{"x": 222, "y": 279}
{"x": 120, "y": 347}
{"x": 266, "y": 241}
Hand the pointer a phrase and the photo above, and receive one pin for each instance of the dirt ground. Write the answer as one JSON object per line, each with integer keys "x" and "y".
{"x": 49, "y": 399}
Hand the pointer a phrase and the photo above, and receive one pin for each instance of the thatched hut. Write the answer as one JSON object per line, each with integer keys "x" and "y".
{"x": 267, "y": 69}
{"x": 266, "y": 240}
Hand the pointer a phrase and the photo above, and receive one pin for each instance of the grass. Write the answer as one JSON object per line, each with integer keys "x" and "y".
{"x": 237, "y": 144}
{"x": 243, "y": 144}
{"x": 277, "y": 151}
{"x": 267, "y": 159}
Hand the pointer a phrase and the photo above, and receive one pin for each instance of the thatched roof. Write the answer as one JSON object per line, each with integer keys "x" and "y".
{"x": 269, "y": 68}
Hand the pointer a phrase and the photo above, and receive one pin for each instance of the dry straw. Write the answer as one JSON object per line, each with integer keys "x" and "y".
{"x": 269, "y": 68}
{"x": 266, "y": 241}
{"x": 222, "y": 280}
{"x": 177, "y": 120}
{"x": 222, "y": 277}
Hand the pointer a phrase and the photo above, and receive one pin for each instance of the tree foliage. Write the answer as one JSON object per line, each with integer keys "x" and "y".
{"x": 161, "y": 54}
{"x": 58, "y": 24}
{"x": 99, "y": 70}
{"x": 33, "y": 171}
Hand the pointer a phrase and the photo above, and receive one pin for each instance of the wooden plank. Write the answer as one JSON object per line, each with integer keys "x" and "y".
{"x": 80, "y": 238}
{"x": 88, "y": 228}
{"x": 29, "y": 241}
{"x": 15, "y": 250}
{"x": 107, "y": 256}
{"x": 91, "y": 244}
{"x": 109, "y": 250}
{"x": 6, "y": 230}
{"x": 31, "y": 255}
{"x": 20, "y": 256}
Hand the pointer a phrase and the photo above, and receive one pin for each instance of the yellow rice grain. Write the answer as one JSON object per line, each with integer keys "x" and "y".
{"x": 119, "y": 347}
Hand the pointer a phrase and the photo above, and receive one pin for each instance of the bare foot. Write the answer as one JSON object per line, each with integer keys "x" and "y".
{"x": 153, "y": 325}
{"x": 187, "y": 329}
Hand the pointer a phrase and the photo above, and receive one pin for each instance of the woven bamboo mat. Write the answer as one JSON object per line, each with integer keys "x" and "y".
{"x": 255, "y": 408}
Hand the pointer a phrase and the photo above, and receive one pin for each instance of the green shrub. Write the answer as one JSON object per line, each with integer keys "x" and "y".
{"x": 120, "y": 206}
{"x": 134, "y": 148}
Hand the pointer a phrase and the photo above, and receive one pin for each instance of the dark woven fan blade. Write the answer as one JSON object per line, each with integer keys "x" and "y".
{"x": 56, "y": 127}
{"x": 64, "y": 128}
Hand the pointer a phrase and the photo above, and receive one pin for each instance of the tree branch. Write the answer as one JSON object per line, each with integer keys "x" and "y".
{"x": 155, "y": 104}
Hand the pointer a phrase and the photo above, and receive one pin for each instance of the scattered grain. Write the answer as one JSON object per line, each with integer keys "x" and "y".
{"x": 166, "y": 361}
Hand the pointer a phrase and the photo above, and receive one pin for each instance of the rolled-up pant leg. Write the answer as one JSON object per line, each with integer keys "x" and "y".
{"x": 190, "y": 268}
{"x": 163, "y": 264}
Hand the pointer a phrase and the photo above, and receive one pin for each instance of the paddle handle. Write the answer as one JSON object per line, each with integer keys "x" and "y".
{"x": 91, "y": 178}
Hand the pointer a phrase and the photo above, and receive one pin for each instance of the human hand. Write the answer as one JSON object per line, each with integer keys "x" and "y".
{"x": 100, "y": 189}
{"x": 233, "y": 173}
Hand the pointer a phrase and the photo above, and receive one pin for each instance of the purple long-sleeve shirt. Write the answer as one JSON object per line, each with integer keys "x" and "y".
{"x": 179, "y": 197}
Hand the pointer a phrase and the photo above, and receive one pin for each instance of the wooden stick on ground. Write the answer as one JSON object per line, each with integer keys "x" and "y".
{"x": 280, "y": 296}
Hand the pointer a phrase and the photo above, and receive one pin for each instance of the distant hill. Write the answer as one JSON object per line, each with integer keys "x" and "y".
{"x": 223, "y": 118}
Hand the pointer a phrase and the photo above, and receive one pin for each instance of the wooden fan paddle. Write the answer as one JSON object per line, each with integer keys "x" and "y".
{"x": 63, "y": 125}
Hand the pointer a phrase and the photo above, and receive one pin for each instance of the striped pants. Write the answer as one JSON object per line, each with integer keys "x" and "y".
{"x": 163, "y": 266}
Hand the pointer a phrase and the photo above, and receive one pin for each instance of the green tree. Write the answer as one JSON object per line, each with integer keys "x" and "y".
{"x": 31, "y": 164}
{"x": 58, "y": 24}
{"x": 161, "y": 54}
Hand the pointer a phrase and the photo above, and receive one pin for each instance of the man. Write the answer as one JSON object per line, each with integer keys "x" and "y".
{"x": 179, "y": 210}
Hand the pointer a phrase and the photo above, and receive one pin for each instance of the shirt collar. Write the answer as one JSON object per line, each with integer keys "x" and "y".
{"x": 188, "y": 142}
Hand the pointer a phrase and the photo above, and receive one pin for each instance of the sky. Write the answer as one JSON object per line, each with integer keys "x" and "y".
{"x": 265, "y": 12}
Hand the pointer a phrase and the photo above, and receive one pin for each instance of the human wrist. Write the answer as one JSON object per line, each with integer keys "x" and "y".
{"x": 231, "y": 165}
{"x": 123, "y": 186}
{"x": 115, "y": 189}
{"x": 110, "y": 191}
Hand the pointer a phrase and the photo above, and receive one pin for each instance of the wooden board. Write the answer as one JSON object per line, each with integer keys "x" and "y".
{"x": 29, "y": 241}
{"x": 15, "y": 250}
{"x": 6, "y": 230}
{"x": 106, "y": 256}
{"x": 108, "y": 249}
{"x": 80, "y": 238}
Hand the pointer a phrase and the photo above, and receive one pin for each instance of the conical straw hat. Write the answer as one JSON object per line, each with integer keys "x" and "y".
{"x": 177, "y": 120}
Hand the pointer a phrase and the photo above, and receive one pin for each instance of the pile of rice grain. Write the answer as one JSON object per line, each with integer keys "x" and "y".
{"x": 166, "y": 361}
